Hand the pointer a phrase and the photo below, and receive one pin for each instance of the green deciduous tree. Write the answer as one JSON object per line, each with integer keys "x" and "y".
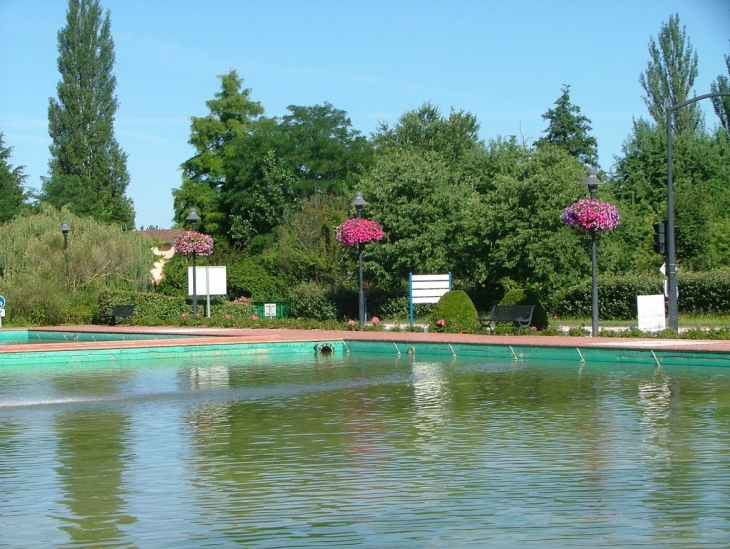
{"x": 88, "y": 170}
{"x": 569, "y": 130}
{"x": 12, "y": 191}
{"x": 670, "y": 75}
{"x": 282, "y": 162}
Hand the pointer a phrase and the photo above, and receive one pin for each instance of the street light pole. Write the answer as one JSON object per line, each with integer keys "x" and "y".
{"x": 672, "y": 290}
{"x": 64, "y": 229}
{"x": 592, "y": 182}
{"x": 193, "y": 218}
{"x": 359, "y": 203}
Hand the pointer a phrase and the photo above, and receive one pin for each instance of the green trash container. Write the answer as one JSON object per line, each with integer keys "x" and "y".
{"x": 271, "y": 309}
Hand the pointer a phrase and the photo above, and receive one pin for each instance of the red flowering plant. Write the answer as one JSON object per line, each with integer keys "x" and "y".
{"x": 358, "y": 231}
{"x": 592, "y": 216}
{"x": 191, "y": 241}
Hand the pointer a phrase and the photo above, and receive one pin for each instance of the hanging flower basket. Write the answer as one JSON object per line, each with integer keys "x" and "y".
{"x": 592, "y": 216}
{"x": 191, "y": 241}
{"x": 358, "y": 231}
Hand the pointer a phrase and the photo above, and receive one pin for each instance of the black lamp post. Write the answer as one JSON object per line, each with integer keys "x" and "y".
{"x": 193, "y": 218}
{"x": 672, "y": 290}
{"x": 592, "y": 182}
{"x": 64, "y": 229}
{"x": 359, "y": 204}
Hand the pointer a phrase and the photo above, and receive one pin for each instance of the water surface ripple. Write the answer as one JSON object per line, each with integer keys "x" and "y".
{"x": 364, "y": 452}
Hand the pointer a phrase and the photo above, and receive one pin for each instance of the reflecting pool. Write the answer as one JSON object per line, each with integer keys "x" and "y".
{"x": 364, "y": 451}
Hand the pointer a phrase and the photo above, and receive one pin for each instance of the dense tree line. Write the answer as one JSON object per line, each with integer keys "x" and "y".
{"x": 274, "y": 189}
{"x": 271, "y": 190}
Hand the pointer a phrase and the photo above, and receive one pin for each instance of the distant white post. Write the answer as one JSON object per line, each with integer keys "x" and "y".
{"x": 426, "y": 289}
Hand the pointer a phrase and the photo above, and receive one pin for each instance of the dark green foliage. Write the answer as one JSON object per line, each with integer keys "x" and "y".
{"x": 457, "y": 309}
{"x": 616, "y": 297}
{"x": 527, "y": 296}
{"x": 311, "y": 300}
{"x": 569, "y": 130}
{"x": 88, "y": 170}
{"x": 154, "y": 308}
{"x": 249, "y": 278}
{"x": 704, "y": 293}
{"x": 12, "y": 193}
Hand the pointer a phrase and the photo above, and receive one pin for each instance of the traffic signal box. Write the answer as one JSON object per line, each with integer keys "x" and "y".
{"x": 660, "y": 238}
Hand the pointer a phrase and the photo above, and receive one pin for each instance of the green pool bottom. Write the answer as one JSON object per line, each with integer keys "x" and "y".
{"x": 624, "y": 352}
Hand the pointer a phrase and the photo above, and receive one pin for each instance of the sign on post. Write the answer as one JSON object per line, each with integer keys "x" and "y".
{"x": 652, "y": 313}
{"x": 2, "y": 310}
{"x": 426, "y": 289}
{"x": 208, "y": 281}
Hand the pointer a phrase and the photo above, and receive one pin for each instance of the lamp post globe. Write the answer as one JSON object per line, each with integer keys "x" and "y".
{"x": 193, "y": 218}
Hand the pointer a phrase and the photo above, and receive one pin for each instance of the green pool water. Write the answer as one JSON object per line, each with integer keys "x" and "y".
{"x": 364, "y": 450}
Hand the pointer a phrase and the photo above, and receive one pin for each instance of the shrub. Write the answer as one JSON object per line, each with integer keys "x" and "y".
{"x": 526, "y": 296}
{"x": 311, "y": 300}
{"x": 457, "y": 310}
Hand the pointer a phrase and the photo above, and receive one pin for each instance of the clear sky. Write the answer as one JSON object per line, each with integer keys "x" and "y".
{"x": 502, "y": 60}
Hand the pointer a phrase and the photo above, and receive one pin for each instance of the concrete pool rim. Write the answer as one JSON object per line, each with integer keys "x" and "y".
{"x": 120, "y": 344}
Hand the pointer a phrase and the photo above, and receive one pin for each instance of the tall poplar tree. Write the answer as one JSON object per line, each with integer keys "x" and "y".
{"x": 670, "y": 75}
{"x": 88, "y": 169}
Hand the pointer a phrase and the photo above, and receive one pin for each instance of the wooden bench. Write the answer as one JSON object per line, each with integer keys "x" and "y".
{"x": 119, "y": 311}
{"x": 519, "y": 314}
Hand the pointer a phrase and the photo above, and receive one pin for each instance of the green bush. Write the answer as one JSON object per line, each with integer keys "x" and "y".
{"x": 457, "y": 310}
{"x": 616, "y": 297}
{"x": 527, "y": 296}
{"x": 311, "y": 300}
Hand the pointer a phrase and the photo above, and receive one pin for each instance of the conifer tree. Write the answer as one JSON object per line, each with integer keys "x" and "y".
{"x": 569, "y": 129}
{"x": 87, "y": 169}
{"x": 12, "y": 193}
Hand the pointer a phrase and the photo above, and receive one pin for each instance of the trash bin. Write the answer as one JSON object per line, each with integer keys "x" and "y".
{"x": 271, "y": 309}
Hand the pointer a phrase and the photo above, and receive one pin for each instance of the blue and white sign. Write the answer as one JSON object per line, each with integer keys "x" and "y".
{"x": 2, "y": 302}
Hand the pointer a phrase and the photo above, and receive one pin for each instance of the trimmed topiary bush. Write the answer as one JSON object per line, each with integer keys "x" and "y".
{"x": 456, "y": 311}
{"x": 526, "y": 296}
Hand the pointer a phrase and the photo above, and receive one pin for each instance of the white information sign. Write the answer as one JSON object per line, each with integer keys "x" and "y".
{"x": 652, "y": 314}
{"x": 208, "y": 281}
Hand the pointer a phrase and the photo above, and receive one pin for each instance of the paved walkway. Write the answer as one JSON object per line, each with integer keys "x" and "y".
{"x": 223, "y": 336}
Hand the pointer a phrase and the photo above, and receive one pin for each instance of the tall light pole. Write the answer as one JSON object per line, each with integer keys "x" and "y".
{"x": 193, "y": 218}
{"x": 672, "y": 290}
{"x": 359, "y": 204}
{"x": 64, "y": 229}
{"x": 592, "y": 182}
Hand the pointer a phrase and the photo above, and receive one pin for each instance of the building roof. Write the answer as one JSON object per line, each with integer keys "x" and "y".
{"x": 166, "y": 236}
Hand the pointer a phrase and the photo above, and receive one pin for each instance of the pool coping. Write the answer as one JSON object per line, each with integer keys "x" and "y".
{"x": 217, "y": 341}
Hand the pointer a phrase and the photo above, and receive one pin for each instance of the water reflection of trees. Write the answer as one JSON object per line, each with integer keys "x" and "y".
{"x": 92, "y": 454}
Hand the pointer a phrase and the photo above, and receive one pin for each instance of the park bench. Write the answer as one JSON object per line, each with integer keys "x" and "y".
{"x": 119, "y": 311}
{"x": 519, "y": 314}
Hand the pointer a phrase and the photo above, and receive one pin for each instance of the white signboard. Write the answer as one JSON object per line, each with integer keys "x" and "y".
{"x": 427, "y": 289}
{"x": 208, "y": 281}
{"x": 270, "y": 310}
{"x": 652, "y": 315}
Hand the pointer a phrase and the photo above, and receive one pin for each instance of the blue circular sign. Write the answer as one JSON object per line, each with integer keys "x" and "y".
{"x": 2, "y": 302}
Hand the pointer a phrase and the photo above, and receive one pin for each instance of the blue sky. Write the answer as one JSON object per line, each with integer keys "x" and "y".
{"x": 503, "y": 61}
